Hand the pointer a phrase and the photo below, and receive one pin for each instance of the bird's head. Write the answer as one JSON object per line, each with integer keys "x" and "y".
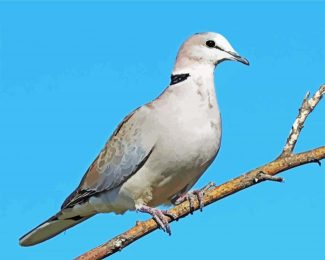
{"x": 207, "y": 48}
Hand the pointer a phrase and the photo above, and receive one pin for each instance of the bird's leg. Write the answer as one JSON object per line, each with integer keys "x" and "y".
{"x": 190, "y": 196}
{"x": 160, "y": 216}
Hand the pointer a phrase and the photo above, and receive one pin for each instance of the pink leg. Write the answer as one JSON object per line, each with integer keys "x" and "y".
{"x": 159, "y": 216}
{"x": 190, "y": 196}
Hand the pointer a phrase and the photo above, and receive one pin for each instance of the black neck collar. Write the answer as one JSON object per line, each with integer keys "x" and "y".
{"x": 177, "y": 78}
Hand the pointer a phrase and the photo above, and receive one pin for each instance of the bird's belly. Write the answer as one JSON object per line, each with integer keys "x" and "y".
{"x": 186, "y": 162}
{"x": 174, "y": 183}
{"x": 176, "y": 163}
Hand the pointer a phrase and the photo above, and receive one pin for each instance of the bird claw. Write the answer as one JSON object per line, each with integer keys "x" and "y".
{"x": 169, "y": 214}
{"x": 160, "y": 216}
{"x": 191, "y": 195}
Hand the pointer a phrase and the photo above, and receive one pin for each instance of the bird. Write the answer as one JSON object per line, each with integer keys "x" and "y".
{"x": 159, "y": 151}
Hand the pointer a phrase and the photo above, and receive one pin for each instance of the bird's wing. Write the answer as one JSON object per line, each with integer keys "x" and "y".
{"x": 124, "y": 154}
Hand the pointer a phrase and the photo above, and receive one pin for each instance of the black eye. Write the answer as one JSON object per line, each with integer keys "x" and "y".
{"x": 210, "y": 44}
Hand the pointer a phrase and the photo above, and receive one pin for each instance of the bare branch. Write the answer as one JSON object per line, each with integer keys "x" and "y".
{"x": 284, "y": 162}
{"x": 306, "y": 108}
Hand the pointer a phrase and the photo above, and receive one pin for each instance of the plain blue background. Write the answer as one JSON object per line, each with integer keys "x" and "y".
{"x": 71, "y": 71}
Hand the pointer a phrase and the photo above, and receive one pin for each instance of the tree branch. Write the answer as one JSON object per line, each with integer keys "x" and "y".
{"x": 287, "y": 160}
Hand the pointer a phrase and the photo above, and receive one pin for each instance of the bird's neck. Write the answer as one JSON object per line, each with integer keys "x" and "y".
{"x": 194, "y": 67}
{"x": 197, "y": 80}
{"x": 201, "y": 74}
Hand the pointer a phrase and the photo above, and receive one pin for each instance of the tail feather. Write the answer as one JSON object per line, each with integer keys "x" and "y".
{"x": 50, "y": 228}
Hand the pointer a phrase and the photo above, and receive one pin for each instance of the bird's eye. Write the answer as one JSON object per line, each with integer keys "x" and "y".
{"x": 210, "y": 44}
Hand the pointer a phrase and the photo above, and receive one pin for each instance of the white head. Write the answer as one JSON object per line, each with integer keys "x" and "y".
{"x": 206, "y": 48}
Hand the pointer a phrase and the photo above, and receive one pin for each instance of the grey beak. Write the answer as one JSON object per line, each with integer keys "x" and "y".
{"x": 235, "y": 56}
{"x": 239, "y": 58}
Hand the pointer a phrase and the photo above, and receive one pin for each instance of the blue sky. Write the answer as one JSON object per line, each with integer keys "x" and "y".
{"x": 69, "y": 72}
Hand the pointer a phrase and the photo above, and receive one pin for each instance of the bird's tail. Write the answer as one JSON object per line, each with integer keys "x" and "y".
{"x": 50, "y": 228}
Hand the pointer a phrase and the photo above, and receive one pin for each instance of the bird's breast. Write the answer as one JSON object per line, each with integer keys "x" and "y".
{"x": 188, "y": 143}
{"x": 191, "y": 142}
{"x": 190, "y": 126}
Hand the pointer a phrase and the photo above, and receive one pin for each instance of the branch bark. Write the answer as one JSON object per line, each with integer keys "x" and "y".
{"x": 287, "y": 160}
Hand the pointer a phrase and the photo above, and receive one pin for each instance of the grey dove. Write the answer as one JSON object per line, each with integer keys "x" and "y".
{"x": 159, "y": 151}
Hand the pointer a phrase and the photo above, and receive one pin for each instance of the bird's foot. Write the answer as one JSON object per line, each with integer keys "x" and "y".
{"x": 160, "y": 216}
{"x": 191, "y": 195}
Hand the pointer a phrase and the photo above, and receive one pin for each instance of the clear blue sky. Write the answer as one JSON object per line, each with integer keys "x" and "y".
{"x": 69, "y": 72}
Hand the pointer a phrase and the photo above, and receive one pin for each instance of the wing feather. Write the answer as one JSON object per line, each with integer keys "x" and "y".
{"x": 124, "y": 154}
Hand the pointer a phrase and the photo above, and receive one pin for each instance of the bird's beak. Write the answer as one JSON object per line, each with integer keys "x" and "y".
{"x": 237, "y": 57}
{"x": 234, "y": 56}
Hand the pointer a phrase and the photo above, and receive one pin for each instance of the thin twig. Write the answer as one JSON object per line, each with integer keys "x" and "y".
{"x": 284, "y": 162}
{"x": 306, "y": 108}
{"x": 261, "y": 176}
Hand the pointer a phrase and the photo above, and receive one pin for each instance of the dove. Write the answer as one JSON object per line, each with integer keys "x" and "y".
{"x": 159, "y": 151}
